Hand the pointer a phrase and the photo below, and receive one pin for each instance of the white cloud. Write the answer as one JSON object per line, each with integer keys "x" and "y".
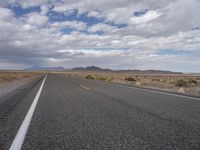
{"x": 103, "y": 27}
{"x": 44, "y": 9}
{"x": 6, "y": 14}
{"x": 36, "y": 19}
{"x": 70, "y": 24}
{"x": 94, "y": 14}
{"x": 70, "y": 5}
{"x": 149, "y": 16}
{"x": 33, "y": 39}
{"x": 28, "y": 3}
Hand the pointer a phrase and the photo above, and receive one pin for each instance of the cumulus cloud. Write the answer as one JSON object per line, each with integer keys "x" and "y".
{"x": 36, "y": 19}
{"x": 103, "y": 27}
{"x": 27, "y": 3}
{"x": 115, "y": 38}
{"x": 44, "y": 9}
{"x": 70, "y": 24}
{"x": 149, "y": 16}
{"x": 95, "y": 14}
{"x": 6, "y": 14}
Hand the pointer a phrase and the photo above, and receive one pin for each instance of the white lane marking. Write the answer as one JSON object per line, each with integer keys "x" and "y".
{"x": 19, "y": 138}
{"x": 84, "y": 87}
{"x": 154, "y": 91}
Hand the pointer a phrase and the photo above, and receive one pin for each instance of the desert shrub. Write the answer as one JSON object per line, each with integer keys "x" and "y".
{"x": 155, "y": 79}
{"x": 163, "y": 80}
{"x": 26, "y": 76}
{"x": 181, "y": 83}
{"x": 130, "y": 79}
{"x": 110, "y": 79}
{"x": 193, "y": 81}
{"x": 101, "y": 78}
{"x": 8, "y": 78}
{"x": 89, "y": 77}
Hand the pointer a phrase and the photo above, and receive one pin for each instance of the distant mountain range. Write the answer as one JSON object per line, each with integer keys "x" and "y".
{"x": 94, "y": 68}
{"x": 148, "y": 72}
{"x": 98, "y": 69}
{"x": 91, "y": 68}
{"x": 46, "y": 68}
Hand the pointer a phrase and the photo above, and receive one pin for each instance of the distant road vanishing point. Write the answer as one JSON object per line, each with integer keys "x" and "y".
{"x": 54, "y": 111}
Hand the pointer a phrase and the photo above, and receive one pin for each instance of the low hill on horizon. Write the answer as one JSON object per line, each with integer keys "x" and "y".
{"x": 91, "y": 68}
{"x": 46, "y": 68}
{"x": 95, "y": 68}
{"x": 98, "y": 69}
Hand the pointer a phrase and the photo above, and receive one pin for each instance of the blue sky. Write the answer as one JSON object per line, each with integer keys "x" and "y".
{"x": 114, "y": 34}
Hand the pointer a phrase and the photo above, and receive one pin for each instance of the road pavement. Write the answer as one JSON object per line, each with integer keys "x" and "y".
{"x": 76, "y": 113}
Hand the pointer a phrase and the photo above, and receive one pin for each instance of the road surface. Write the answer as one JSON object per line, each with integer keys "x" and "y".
{"x": 75, "y": 113}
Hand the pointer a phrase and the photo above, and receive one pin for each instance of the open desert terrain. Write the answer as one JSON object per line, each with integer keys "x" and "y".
{"x": 181, "y": 83}
{"x": 7, "y": 77}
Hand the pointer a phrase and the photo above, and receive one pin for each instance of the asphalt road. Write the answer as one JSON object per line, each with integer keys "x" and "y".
{"x": 74, "y": 113}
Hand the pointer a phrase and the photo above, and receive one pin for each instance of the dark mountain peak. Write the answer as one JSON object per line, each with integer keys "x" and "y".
{"x": 90, "y": 68}
{"x": 95, "y": 68}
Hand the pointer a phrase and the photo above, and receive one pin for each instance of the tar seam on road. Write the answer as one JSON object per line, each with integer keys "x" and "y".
{"x": 84, "y": 87}
{"x": 161, "y": 92}
{"x": 19, "y": 138}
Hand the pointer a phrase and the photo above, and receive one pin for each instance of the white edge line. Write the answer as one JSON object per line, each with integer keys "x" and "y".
{"x": 162, "y": 92}
{"x": 84, "y": 87}
{"x": 19, "y": 138}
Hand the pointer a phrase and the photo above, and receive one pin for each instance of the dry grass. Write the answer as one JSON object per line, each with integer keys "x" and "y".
{"x": 186, "y": 83}
{"x": 7, "y": 77}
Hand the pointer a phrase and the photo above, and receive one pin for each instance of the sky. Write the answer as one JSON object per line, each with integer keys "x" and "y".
{"x": 116, "y": 34}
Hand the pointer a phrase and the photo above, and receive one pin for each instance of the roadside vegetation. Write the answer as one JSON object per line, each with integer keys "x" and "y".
{"x": 96, "y": 77}
{"x": 181, "y": 83}
{"x": 130, "y": 79}
{"x": 90, "y": 77}
{"x": 6, "y": 77}
{"x": 185, "y": 83}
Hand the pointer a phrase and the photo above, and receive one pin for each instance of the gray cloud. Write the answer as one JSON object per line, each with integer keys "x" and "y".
{"x": 33, "y": 40}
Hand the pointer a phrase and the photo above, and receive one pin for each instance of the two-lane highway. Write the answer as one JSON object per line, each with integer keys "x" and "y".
{"x": 76, "y": 113}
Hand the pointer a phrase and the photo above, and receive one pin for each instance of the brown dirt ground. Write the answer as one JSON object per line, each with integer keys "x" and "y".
{"x": 182, "y": 83}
